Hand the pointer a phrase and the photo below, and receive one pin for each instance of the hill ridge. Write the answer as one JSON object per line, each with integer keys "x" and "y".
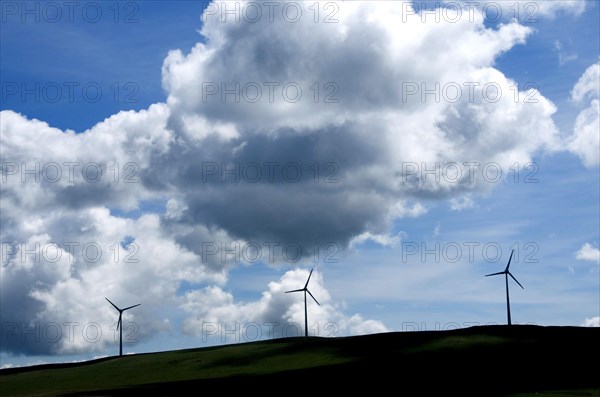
{"x": 449, "y": 358}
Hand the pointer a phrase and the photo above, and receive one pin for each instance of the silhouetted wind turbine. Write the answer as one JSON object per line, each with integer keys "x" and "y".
{"x": 120, "y": 323}
{"x": 305, "y": 290}
{"x": 507, "y": 273}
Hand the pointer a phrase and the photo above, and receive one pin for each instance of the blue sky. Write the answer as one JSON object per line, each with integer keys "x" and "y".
{"x": 373, "y": 285}
{"x": 107, "y": 53}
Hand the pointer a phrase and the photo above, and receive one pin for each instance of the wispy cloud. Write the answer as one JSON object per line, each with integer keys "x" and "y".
{"x": 385, "y": 240}
{"x": 461, "y": 203}
{"x": 563, "y": 56}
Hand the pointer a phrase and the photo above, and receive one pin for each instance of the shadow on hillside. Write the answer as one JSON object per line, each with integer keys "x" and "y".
{"x": 505, "y": 359}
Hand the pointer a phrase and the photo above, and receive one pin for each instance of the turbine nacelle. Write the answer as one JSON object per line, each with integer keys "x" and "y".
{"x": 506, "y": 271}
{"x": 305, "y": 289}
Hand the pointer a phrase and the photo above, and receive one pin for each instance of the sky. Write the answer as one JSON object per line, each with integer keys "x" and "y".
{"x": 200, "y": 158}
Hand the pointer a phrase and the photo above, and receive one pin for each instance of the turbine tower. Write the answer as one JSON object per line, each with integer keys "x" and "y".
{"x": 305, "y": 290}
{"x": 120, "y": 323}
{"x": 507, "y": 273}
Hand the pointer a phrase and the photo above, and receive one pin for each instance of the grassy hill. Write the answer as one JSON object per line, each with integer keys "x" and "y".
{"x": 477, "y": 361}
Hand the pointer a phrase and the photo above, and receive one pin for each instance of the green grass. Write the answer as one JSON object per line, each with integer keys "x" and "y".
{"x": 248, "y": 359}
{"x": 245, "y": 359}
{"x": 542, "y": 360}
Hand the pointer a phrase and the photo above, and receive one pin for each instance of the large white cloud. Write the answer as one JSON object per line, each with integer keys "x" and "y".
{"x": 71, "y": 261}
{"x": 353, "y": 142}
{"x": 377, "y": 60}
{"x": 214, "y": 313}
{"x": 101, "y": 166}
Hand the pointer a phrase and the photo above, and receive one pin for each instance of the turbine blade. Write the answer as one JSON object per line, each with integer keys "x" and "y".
{"x": 115, "y": 306}
{"x": 127, "y": 308}
{"x": 494, "y": 274}
{"x": 509, "y": 259}
{"x": 118, "y": 323}
{"x": 311, "y": 295}
{"x": 513, "y": 277}
{"x": 310, "y": 274}
{"x": 295, "y": 290}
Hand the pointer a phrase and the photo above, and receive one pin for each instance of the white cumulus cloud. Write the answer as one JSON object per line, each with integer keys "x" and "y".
{"x": 214, "y": 312}
{"x": 588, "y": 252}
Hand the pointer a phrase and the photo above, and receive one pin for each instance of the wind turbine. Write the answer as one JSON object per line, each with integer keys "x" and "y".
{"x": 120, "y": 323}
{"x": 305, "y": 290}
{"x": 507, "y": 273}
